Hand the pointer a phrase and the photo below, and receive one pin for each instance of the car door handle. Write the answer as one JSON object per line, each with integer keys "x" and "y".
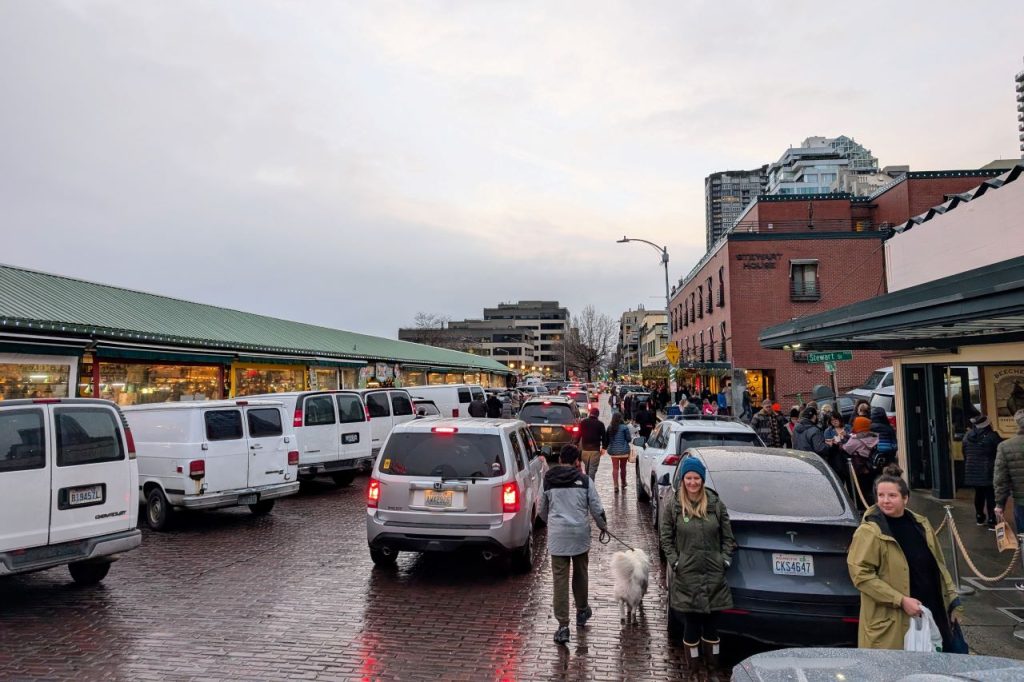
{"x": 257, "y": 446}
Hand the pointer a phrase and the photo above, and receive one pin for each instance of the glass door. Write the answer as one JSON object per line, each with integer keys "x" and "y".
{"x": 959, "y": 410}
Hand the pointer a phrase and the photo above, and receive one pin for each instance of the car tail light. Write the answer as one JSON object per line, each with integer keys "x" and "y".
{"x": 241, "y": 403}
{"x": 572, "y": 428}
{"x": 851, "y": 620}
{"x": 892, "y": 421}
{"x": 737, "y": 612}
{"x": 197, "y": 469}
{"x": 445, "y": 430}
{"x": 455, "y": 412}
{"x": 297, "y": 419}
{"x": 373, "y": 493}
{"x": 510, "y": 498}
{"x": 366, "y": 412}
{"x": 547, "y": 402}
{"x": 671, "y": 460}
{"x": 293, "y": 458}
{"x": 45, "y": 401}
{"x": 130, "y": 442}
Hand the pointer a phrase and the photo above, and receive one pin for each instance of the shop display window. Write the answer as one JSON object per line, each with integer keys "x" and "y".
{"x": 326, "y": 379}
{"x": 413, "y": 378}
{"x": 435, "y": 378}
{"x": 140, "y": 384}
{"x": 33, "y": 381}
{"x": 349, "y": 378}
{"x": 254, "y": 381}
{"x": 471, "y": 378}
{"x": 452, "y": 378}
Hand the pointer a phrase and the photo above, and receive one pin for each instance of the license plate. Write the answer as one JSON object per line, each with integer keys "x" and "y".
{"x": 249, "y": 499}
{"x": 545, "y": 429}
{"x": 350, "y": 438}
{"x": 85, "y": 495}
{"x": 439, "y": 498}
{"x": 793, "y": 564}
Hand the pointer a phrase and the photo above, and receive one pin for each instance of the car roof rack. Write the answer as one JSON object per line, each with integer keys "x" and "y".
{"x": 705, "y": 417}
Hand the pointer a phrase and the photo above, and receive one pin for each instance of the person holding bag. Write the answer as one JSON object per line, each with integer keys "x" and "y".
{"x": 896, "y": 563}
{"x": 619, "y": 447}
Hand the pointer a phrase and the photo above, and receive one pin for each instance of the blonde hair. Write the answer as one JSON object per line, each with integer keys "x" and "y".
{"x": 698, "y": 509}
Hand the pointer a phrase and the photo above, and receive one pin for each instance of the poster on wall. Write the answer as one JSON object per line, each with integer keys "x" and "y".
{"x": 398, "y": 375}
{"x": 382, "y": 371}
{"x": 1004, "y": 388}
{"x": 364, "y": 375}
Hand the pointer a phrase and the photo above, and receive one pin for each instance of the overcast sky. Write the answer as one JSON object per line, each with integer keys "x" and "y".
{"x": 350, "y": 164}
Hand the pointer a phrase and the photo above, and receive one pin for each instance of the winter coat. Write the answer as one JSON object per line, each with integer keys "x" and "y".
{"x": 646, "y": 420}
{"x": 691, "y": 409}
{"x": 619, "y": 443}
{"x": 883, "y": 429}
{"x": 568, "y": 501}
{"x": 478, "y": 408}
{"x": 698, "y": 552}
{"x": 980, "y": 456}
{"x": 878, "y": 568}
{"x": 592, "y": 434}
{"x": 767, "y": 427}
{"x": 493, "y": 407}
{"x": 808, "y": 437}
{"x": 1009, "y": 471}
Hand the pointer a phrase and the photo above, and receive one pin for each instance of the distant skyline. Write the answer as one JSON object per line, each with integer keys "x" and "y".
{"x": 352, "y": 164}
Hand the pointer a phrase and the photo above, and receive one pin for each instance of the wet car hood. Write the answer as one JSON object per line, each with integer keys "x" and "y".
{"x": 864, "y": 665}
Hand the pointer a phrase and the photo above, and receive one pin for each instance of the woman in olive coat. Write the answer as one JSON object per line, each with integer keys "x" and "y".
{"x": 698, "y": 543}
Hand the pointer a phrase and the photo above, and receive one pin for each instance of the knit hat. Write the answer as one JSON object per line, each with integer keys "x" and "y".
{"x": 861, "y": 425}
{"x": 695, "y": 465}
{"x": 980, "y": 421}
{"x": 1019, "y": 418}
{"x": 594, "y": 411}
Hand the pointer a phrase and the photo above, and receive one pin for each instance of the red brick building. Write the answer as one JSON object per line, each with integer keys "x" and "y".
{"x": 790, "y": 256}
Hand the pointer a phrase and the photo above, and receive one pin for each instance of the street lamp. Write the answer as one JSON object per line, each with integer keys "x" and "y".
{"x": 663, "y": 250}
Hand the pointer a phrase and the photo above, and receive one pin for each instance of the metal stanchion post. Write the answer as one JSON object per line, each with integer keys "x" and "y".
{"x": 1018, "y": 630}
{"x": 962, "y": 590}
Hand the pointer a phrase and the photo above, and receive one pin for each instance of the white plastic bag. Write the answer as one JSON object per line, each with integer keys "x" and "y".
{"x": 923, "y": 634}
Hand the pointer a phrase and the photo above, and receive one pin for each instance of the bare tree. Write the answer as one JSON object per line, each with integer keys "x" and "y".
{"x": 431, "y": 329}
{"x": 589, "y": 341}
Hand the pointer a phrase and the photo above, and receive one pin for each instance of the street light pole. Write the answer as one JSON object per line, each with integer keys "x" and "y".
{"x": 663, "y": 250}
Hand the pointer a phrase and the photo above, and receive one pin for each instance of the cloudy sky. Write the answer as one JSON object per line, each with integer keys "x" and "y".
{"x": 350, "y": 164}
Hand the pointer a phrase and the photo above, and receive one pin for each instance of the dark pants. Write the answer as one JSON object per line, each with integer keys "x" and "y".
{"x": 560, "y": 574}
{"x": 985, "y": 501}
{"x": 698, "y": 626}
{"x": 867, "y": 486}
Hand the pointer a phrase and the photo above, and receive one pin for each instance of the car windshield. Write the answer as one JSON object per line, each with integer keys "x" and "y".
{"x": 874, "y": 380}
{"x": 774, "y": 492}
{"x": 694, "y": 439}
{"x": 553, "y": 413}
{"x": 458, "y": 455}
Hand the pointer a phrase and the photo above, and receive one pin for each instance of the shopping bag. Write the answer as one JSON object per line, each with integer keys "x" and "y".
{"x": 923, "y": 634}
{"x": 1005, "y": 537}
{"x": 632, "y": 454}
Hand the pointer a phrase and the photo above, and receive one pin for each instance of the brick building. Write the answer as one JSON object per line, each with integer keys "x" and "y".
{"x": 789, "y": 256}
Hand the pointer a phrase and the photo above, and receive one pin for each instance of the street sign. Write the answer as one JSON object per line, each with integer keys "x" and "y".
{"x": 830, "y": 356}
{"x": 830, "y": 366}
{"x": 672, "y": 354}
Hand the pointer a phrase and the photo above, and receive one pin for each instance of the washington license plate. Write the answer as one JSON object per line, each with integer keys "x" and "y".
{"x": 248, "y": 499}
{"x": 793, "y": 564}
{"x": 85, "y": 495}
{"x": 439, "y": 498}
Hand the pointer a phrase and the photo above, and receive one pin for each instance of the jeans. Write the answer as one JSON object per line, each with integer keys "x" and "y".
{"x": 560, "y": 575}
{"x": 619, "y": 470}
{"x": 591, "y": 461}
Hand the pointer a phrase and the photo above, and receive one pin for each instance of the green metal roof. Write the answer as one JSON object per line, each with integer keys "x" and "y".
{"x": 41, "y": 303}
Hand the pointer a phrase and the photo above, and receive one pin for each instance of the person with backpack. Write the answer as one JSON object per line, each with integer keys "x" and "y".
{"x": 619, "y": 447}
{"x": 881, "y": 427}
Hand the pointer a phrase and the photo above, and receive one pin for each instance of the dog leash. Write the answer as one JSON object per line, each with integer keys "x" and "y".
{"x": 605, "y": 537}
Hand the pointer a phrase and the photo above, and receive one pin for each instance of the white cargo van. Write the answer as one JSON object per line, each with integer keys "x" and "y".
{"x": 333, "y": 430}
{"x": 67, "y": 480}
{"x": 210, "y": 454}
{"x": 452, "y": 400}
{"x": 387, "y": 407}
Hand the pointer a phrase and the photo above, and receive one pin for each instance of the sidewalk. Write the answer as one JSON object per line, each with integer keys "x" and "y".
{"x": 989, "y": 630}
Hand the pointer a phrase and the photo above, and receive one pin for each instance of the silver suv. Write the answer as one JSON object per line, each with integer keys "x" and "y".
{"x": 444, "y": 484}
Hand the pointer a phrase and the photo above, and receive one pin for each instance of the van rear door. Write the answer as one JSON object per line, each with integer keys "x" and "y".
{"x": 353, "y": 429}
{"x": 92, "y": 484}
{"x": 268, "y": 453}
{"x": 401, "y": 407}
{"x": 227, "y": 451}
{"x": 24, "y": 478}
{"x": 319, "y": 438}
{"x": 379, "y": 407}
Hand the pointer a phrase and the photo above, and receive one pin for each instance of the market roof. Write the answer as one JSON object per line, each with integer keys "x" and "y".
{"x": 980, "y": 306}
{"x": 42, "y": 303}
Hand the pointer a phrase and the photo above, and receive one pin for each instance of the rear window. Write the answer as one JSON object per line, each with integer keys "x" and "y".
{"x": 377, "y": 404}
{"x": 874, "y": 380}
{"x": 464, "y": 396}
{"x": 350, "y": 409}
{"x": 427, "y": 410}
{"x": 883, "y": 401}
{"x": 87, "y": 435}
{"x": 555, "y": 413}
{"x": 695, "y": 439}
{"x": 478, "y": 394}
{"x": 21, "y": 440}
{"x": 318, "y": 410}
{"x": 265, "y": 422}
{"x": 401, "y": 404}
{"x": 448, "y": 455}
{"x": 771, "y": 492}
{"x": 223, "y": 424}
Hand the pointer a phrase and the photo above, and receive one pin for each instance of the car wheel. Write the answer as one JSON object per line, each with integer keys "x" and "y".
{"x": 262, "y": 507}
{"x": 655, "y": 504}
{"x": 343, "y": 479}
{"x": 159, "y": 514}
{"x": 383, "y": 557}
{"x": 89, "y": 572}
{"x": 641, "y": 494}
{"x": 522, "y": 558}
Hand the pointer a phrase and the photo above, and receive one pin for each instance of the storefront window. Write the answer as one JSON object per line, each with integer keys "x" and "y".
{"x": 435, "y": 378}
{"x": 485, "y": 380}
{"x": 452, "y": 378}
{"x": 254, "y": 380}
{"x": 138, "y": 384}
{"x": 756, "y": 386}
{"x": 471, "y": 378}
{"x": 350, "y": 378}
{"x": 33, "y": 381}
{"x": 413, "y": 378}
{"x": 326, "y": 378}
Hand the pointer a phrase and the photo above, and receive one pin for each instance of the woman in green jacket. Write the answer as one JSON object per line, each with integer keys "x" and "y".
{"x": 698, "y": 543}
{"x": 896, "y": 563}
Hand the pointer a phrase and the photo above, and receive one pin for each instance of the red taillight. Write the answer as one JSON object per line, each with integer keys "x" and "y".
{"x": 373, "y": 493}
{"x": 455, "y": 412}
{"x": 892, "y": 421}
{"x": 572, "y": 428}
{"x": 510, "y": 498}
{"x": 293, "y": 458}
{"x": 547, "y": 402}
{"x": 447, "y": 430}
{"x": 130, "y": 442}
{"x": 736, "y": 612}
{"x": 241, "y": 403}
{"x": 851, "y": 620}
{"x": 671, "y": 460}
{"x": 197, "y": 469}
{"x": 366, "y": 411}
{"x": 297, "y": 419}
{"x": 45, "y": 401}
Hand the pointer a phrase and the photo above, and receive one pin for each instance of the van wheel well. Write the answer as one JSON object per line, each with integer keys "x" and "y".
{"x": 149, "y": 487}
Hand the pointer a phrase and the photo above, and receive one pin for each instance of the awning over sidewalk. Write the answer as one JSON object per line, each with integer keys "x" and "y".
{"x": 979, "y": 306}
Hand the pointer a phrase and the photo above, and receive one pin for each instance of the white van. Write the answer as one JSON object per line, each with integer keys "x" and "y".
{"x": 210, "y": 454}
{"x": 387, "y": 408}
{"x": 67, "y": 479}
{"x": 333, "y": 430}
{"x": 452, "y": 400}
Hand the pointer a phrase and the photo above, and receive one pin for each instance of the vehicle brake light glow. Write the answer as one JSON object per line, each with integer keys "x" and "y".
{"x": 130, "y": 442}
{"x": 572, "y": 428}
{"x": 737, "y": 612}
{"x": 445, "y": 429}
{"x": 297, "y": 419}
{"x": 455, "y": 412}
{"x": 197, "y": 469}
{"x": 373, "y": 493}
{"x": 510, "y": 498}
{"x": 671, "y": 460}
{"x": 366, "y": 412}
{"x": 241, "y": 403}
{"x": 547, "y": 402}
{"x": 892, "y": 421}
{"x": 293, "y": 458}
{"x": 851, "y": 620}
{"x": 45, "y": 401}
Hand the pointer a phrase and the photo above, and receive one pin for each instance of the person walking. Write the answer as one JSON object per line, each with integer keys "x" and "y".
{"x": 860, "y": 446}
{"x": 614, "y": 401}
{"x": 698, "y": 543}
{"x": 1009, "y": 474}
{"x": 619, "y": 446}
{"x": 835, "y": 436}
{"x": 478, "y": 408}
{"x": 980, "y": 445}
{"x": 646, "y": 420}
{"x": 568, "y": 503}
{"x": 709, "y": 410}
{"x": 766, "y": 424}
{"x": 897, "y": 564}
{"x": 593, "y": 441}
{"x": 494, "y": 406}
{"x": 807, "y": 435}
{"x": 627, "y": 406}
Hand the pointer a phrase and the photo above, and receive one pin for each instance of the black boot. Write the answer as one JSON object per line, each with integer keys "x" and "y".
{"x": 711, "y": 658}
{"x": 693, "y": 668}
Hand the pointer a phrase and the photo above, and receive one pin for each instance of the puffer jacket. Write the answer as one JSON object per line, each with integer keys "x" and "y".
{"x": 767, "y": 427}
{"x": 619, "y": 443}
{"x": 698, "y": 553}
{"x": 980, "y": 456}
{"x": 878, "y": 568}
{"x": 808, "y": 437}
{"x": 568, "y": 501}
{"x": 1009, "y": 471}
{"x": 881, "y": 427}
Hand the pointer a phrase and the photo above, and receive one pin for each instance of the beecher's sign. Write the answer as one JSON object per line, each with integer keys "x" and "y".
{"x": 830, "y": 356}
{"x": 759, "y": 261}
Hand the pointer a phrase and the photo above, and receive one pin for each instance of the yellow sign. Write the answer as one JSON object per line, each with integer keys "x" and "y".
{"x": 672, "y": 354}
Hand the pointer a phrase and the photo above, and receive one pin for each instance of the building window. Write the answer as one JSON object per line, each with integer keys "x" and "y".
{"x": 710, "y": 297}
{"x": 711, "y": 344}
{"x": 686, "y": 312}
{"x": 702, "y": 346}
{"x": 700, "y": 301}
{"x": 721, "y": 287}
{"x": 692, "y": 310}
{"x": 803, "y": 280}
{"x": 722, "y": 355}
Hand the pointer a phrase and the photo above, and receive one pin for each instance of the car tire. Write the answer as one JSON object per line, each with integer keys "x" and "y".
{"x": 89, "y": 572}
{"x": 343, "y": 479}
{"x": 641, "y": 494}
{"x": 655, "y": 504}
{"x": 383, "y": 558}
{"x": 262, "y": 507}
{"x": 522, "y": 558}
{"x": 159, "y": 513}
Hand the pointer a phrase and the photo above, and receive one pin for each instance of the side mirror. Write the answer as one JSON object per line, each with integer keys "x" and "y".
{"x": 640, "y": 442}
{"x": 664, "y": 480}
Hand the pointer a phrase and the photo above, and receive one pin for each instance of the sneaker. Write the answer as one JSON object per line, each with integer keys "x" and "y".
{"x": 979, "y": 519}
{"x": 992, "y": 524}
{"x": 583, "y": 616}
{"x": 562, "y": 635}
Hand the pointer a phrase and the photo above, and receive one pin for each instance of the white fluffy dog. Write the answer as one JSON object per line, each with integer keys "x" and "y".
{"x": 631, "y": 570}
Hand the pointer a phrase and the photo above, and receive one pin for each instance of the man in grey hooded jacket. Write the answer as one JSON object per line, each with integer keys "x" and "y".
{"x": 568, "y": 502}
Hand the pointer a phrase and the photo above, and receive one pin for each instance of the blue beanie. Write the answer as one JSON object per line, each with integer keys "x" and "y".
{"x": 693, "y": 464}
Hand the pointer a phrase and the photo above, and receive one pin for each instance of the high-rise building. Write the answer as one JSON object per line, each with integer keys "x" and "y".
{"x": 814, "y": 166}
{"x": 628, "y": 351}
{"x": 1020, "y": 110}
{"x": 548, "y": 322}
{"x": 726, "y": 194}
